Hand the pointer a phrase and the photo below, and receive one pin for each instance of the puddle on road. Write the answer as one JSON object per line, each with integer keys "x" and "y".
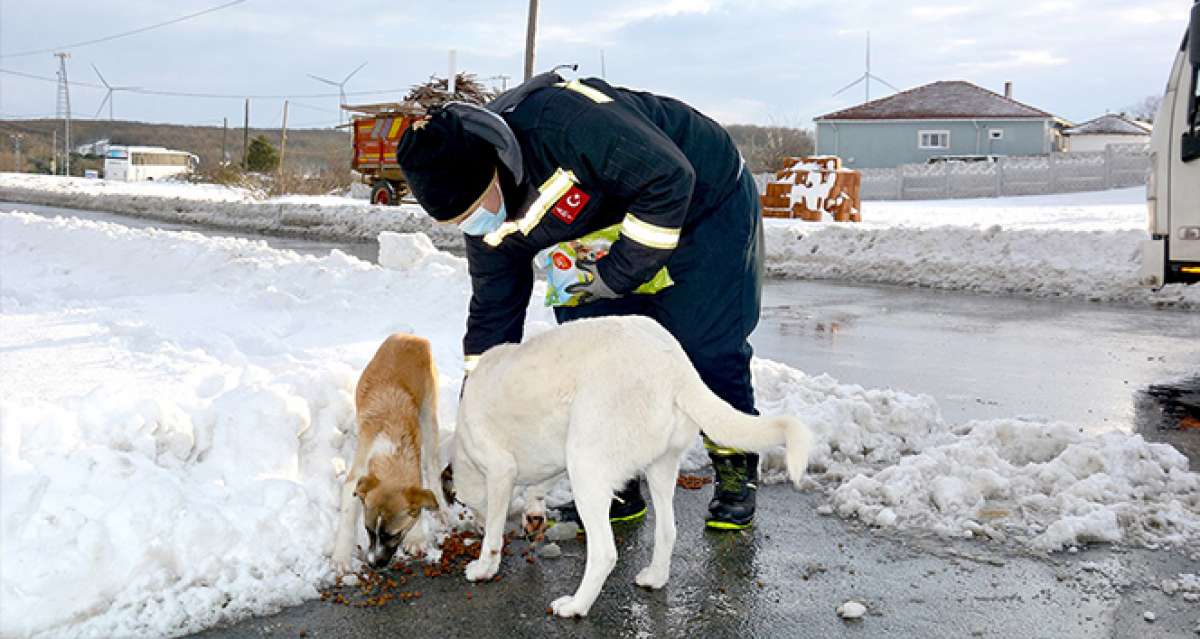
{"x": 1170, "y": 413}
{"x": 795, "y": 321}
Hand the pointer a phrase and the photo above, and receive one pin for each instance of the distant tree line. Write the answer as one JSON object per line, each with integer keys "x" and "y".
{"x": 310, "y": 152}
{"x": 765, "y": 147}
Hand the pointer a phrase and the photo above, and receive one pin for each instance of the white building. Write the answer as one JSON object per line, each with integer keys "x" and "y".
{"x": 1095, "y": 135}
{"x": 146, "y": 163}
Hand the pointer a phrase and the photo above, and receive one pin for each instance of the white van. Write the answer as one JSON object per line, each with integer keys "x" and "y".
{"x": 1173, "y": 192}
{"x": 141, "y": 163}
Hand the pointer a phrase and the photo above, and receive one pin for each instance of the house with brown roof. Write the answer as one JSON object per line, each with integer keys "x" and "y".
{"x": 948, "y": 118}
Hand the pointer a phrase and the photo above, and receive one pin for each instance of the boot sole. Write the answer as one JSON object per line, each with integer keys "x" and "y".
{"x": 727, "y": 525}
{"x": 625, "y": 519}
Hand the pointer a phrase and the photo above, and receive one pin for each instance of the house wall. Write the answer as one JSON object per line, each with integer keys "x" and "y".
{"x": 889, "y": 143}
{"x": 1081, "y": 143}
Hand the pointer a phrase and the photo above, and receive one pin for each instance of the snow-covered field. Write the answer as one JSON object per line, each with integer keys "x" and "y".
{"x": 176, "y": 412}
{"x": 1077, "y": 245}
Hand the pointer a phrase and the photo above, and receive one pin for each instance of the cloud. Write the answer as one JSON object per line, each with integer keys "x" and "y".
{"x": 956, "y": 44}
{"x": 1148, "y": 15}
{"x": 741, "y": 60}
{"x": 939, "y": 12}
{"x": 1053, "y": 7}
{"x": 666, "y": 9}
{"x": 738, "y": 111}
{"x": 1018, "y": 59}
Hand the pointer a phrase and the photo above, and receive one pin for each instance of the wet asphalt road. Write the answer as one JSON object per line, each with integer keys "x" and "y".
{"x": 981, "y": 357}
{"x": 785, "y": 578}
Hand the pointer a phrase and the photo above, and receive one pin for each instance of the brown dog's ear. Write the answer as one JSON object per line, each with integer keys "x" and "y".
{"x": 418, "y": 498}
{"x": 366, "y": 485}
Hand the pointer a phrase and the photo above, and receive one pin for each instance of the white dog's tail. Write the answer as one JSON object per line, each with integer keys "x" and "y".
{"x": 729, "y": 427}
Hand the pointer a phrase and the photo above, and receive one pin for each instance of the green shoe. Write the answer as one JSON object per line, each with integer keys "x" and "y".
{"x": 627, "y": 506}
{"x": 733, "y": 503}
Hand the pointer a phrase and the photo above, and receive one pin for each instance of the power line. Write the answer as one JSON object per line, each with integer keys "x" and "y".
{"x": 122, "y": 34}
{"x": 314, "y": 108}
{"x": 32, "y": 76}
{"x": 219, "y": 96}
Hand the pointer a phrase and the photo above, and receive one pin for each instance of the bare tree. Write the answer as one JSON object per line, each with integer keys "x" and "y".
{"x": 765, "y": 147}
{"x": 1146, "y": 108}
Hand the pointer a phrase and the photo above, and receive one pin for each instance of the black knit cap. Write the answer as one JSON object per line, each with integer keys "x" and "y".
{"x": 446, "y": 167}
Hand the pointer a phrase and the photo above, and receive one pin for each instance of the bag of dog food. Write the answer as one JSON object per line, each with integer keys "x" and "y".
{"x": 559, "y": 262}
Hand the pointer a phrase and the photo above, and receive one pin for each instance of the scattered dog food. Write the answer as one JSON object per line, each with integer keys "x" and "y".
{"x": 372, "y": 589}
{"x": 692, "y": 482}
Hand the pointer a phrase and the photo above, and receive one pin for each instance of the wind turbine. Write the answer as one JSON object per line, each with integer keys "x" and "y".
{"x": 108, "y": 97}
{"x": 868, "y": 76}
{"x": 340, "y": 85}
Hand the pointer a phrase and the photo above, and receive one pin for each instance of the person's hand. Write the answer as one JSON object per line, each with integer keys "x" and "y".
{"x": 594, "y": 287}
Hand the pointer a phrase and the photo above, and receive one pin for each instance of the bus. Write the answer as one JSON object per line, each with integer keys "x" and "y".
{"x": 1172, "y": 254}
{"x": 146, "y": 163}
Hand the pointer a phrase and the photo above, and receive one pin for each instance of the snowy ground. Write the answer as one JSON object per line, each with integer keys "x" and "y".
{"x": 1077, "y": 245}
{"x": 177, "y": 410}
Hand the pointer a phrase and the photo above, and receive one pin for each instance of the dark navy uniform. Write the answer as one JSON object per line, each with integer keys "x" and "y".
{"x": 595, "y": 156}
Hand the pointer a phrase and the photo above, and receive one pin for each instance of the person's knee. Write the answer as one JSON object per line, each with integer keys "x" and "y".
{"x": 728, "y": 376}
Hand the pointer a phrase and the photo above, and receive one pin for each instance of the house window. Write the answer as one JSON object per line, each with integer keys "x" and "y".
{"x": 933, "y": 139}
{"x": 995, "y": 134}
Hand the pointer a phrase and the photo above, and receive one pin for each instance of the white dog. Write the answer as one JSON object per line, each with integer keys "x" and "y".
{"x": 602, "y": 399}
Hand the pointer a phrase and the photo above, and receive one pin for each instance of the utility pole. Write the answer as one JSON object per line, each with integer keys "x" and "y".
{"x": 16, "y": 140}
{"x": 64, "y": 107}
{"x": 530, "y": 32}
{"x": 246, "y": 134}
{"x": 603, "y": 75}
{"x": 224, "y": 137}
{"x": 283, "y": 140}
{"x": 54, "y": 152}
{"x": 452, "y": 78}
{"x": 1, "y": 49}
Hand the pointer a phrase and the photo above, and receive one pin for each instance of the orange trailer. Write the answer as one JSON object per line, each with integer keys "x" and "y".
{"x": 377, "y": 129}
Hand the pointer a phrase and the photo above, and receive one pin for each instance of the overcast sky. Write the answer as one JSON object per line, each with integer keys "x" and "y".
{"x": 745, "y": 61}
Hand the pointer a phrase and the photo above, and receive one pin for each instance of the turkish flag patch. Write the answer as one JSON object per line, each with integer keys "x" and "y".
{"x": 568, "y": 206}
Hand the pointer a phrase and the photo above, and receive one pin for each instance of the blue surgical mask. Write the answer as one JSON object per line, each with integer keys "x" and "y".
{"x": 483, "y": 221}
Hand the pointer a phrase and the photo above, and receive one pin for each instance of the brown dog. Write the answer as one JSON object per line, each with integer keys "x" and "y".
{"x": 396, "y": 460}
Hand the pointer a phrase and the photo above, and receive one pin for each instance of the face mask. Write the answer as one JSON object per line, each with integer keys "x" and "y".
{"x": 483, "y": 221}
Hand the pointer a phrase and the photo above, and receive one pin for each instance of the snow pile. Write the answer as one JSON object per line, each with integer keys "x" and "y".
{"x": 84, "y": 187}
{"x": 1076, "y": 245}
{"x": 1049, "y": 484}
{"x": 176, "y": 415}
{"x": 1082, "y": 245}
{"x": 893, "y": 462}
{"x": 175, "y": 418}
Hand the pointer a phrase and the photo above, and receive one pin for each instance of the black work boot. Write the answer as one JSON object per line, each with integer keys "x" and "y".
{"x": 627, "y": 505}
{"x": 732, "y": 505}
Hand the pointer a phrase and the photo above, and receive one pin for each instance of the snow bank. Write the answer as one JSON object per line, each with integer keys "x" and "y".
{"x": 176, "y": 414}
{"x": 893, "y": 462}
{"x": 1077, "y": 245}
{"x": 222, "y": 207}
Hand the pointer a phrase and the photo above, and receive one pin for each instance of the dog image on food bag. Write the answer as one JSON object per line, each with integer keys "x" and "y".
{"x": 627, "y": 401}
{"x": 396, "y": 461}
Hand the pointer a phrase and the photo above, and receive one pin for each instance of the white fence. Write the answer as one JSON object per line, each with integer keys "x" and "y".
{"x": 1120, "y": 165}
